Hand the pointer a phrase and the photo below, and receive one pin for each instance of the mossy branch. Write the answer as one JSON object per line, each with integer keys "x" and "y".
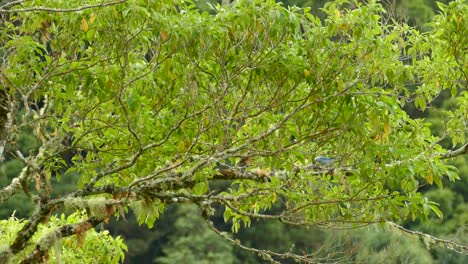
{"x": 42, "y": 247}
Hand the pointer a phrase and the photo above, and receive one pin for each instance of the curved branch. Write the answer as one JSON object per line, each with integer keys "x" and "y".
{"x": 270, "y": 256}
{"x": 11, "y": 3}
{"x": 15, "y": 185}
{"x": 429, "y": 239}
{"x": 457, "y": 152}
{"x": 57, "y": 10}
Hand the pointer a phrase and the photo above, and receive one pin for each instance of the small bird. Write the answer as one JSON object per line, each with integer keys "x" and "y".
{"x": 324, "y": 160}
{"x": 245, "y": 162}
{"x": 226, "y": 168}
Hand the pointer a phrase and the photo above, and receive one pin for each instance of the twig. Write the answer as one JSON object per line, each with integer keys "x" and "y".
{"x": 11, "y": 3}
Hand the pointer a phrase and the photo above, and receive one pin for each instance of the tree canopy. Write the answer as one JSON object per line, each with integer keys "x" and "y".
{"x": 150, "y": 103}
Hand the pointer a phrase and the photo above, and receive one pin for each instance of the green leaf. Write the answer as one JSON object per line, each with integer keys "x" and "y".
{"x": 437, "y": 211}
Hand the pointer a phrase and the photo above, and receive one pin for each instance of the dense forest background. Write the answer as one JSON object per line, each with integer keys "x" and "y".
{"x": 181, "y": 235}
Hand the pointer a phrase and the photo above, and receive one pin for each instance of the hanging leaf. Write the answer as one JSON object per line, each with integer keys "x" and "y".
{"x": 163, "y": 35}
{"x": 387, "y": 129}
{"x": 92, "y": 18}
{"x": 84, "y": 25}
{"x": 429, "y": 178}
{"x": 337, "y": 14}
{"x": 259, "y": 26}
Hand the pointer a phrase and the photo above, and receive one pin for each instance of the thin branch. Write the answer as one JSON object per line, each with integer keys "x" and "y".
{"x": 7, "y": 126}
{"x": 269, "y": 255}
{"x": 43, "y": 210}
{"x": 15, "y": 185}
{"x": 11, "y": 3}
{"x": 429, "y": 239}
{"x": 21, "y": 181}
{"x": 59, "y": 10}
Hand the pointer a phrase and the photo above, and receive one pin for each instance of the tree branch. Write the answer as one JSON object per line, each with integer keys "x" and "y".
{"x": 11, "y": 3}
{"x": 57, "y": 10}
{"x": 269, "y": 255}
{"x": 42, "y": 247}
{"x": 43, "y": 209}
{"x": 15, "y": 185}
{"x": 453, "y": 153}
{"x": 428, "y": 239}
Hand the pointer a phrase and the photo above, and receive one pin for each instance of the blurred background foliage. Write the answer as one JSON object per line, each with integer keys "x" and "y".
{"x": 182, "y": 236}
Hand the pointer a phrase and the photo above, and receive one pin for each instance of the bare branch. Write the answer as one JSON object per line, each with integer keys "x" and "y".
{"x": 270, "y": 256}
{"x": 429, "y": 239}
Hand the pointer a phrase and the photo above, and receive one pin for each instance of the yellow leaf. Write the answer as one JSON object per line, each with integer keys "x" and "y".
{"x": 92, "y": 18}
{"x": 375, "y": 122}
{"x": 206, "y": 121}
{"x": 337, "y": 14}
{"x": 163, "y": 35}
{"x": 339, "y": 85}
{"x": 429, "y": 178}
{"x": 386, "y": 130}
{"x": 188, "y": 143}
{"x": 172, "y": 76}
{"x": 259, "y": 26}
{"x": 109, "y": 84}
{"x": 181, "y": 146}
{"x": 248, "y": 35}
{"x": 84, "y": 25}
{"x": 377, "y": 138}
{"x": 366, "y": 58}
{"x": 233, "y": 29}
{"x": 459, "y": 21}
{"x": 306, "y": 73}
{"x": 344, "y": 26}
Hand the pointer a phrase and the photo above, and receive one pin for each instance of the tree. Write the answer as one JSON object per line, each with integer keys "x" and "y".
{"x": 152, "y": 103}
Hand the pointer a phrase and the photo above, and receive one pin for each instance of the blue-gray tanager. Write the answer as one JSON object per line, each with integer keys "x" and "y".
{"x": 324, "y": 160}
